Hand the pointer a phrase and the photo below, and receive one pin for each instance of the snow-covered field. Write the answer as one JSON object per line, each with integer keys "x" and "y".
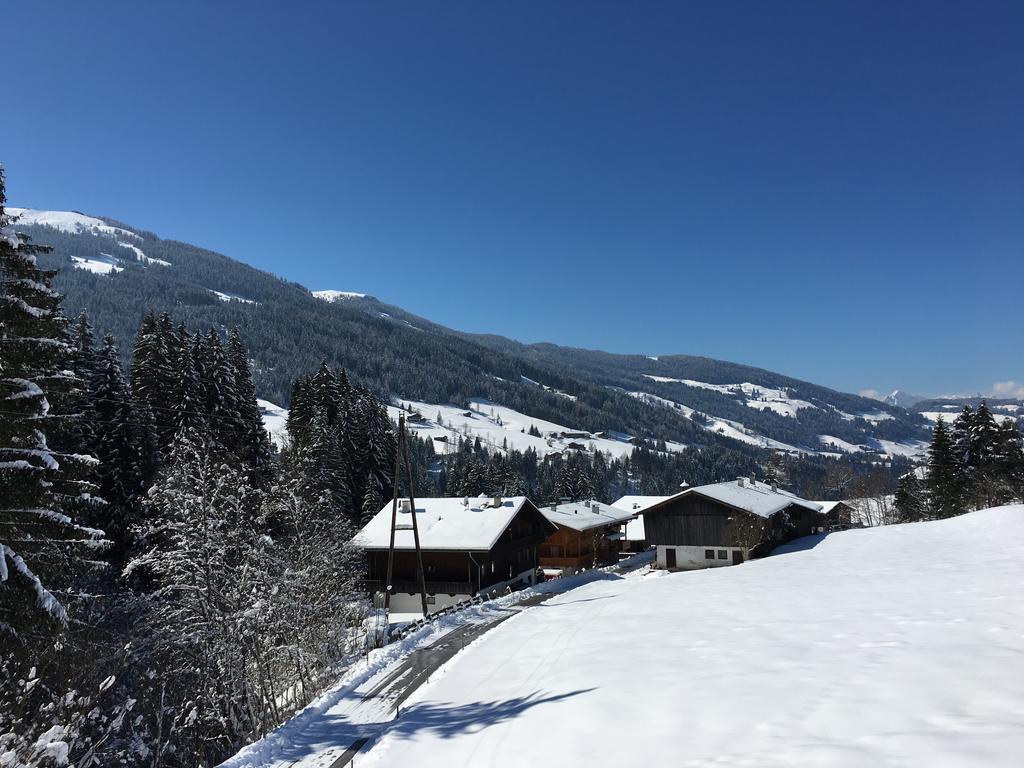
{"x": 893, "y": 646}
{"x": 275, "y": 421}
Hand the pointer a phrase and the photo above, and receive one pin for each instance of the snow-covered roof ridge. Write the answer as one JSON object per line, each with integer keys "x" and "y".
{"x": 637, "y": 504}
{"x": 748, "y": 494}
{"x": 445, "y": 523}
{"x": 585, "y": 515}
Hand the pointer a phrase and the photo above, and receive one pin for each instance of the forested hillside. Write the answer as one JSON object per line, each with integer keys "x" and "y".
{"x": 117, "y": 274}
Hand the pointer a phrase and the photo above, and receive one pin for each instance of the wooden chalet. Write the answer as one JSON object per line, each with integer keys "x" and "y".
{"x": 588, "y": 534}
{"x": 838, "y": 515}
{"x": 726, "y": 523}
{"x": 469, "y": 546}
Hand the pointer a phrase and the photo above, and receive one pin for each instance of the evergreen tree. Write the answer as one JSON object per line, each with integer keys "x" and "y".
{"x": 251, "y": 441}
{"x": 911, "y": 499}
{"x": 153, "y": 370}
{"x": 40, "y": 545}
{"x": 943, "y": 476}
{"x": 118, "y": 441}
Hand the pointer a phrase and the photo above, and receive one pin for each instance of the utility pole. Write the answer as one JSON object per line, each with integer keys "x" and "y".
{"x": 400, "y": 447}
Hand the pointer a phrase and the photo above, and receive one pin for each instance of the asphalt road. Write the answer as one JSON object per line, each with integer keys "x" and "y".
{"x": 417, "y": 668}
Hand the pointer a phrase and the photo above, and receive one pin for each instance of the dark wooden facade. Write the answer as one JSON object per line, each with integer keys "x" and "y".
{"x": 697, "y": 520}
{"x": 464, "y": 571}
{"x": 839, "y": 517}
{"x": 572, "y": 549}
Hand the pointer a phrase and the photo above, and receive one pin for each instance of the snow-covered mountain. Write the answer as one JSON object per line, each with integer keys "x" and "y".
{"x": 602, "y": 400}
{"x": 902, "y": 399}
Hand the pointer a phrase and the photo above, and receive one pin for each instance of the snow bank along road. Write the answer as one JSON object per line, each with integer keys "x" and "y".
{"x": 332, "y": 731}
{"x": 897, "y": 646}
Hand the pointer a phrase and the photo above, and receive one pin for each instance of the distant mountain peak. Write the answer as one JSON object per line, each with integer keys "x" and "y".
{"x": 902, "y": 399}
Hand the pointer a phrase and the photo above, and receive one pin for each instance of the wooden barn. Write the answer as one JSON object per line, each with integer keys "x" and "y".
{"x": 634, "y": 536}
{"x": 588, "y": 534}
{"x": 469, "y": 546}
{"x": 726, "y": 523}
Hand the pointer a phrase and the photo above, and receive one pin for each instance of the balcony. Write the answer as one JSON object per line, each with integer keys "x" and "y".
{"x": 433, "y": 587}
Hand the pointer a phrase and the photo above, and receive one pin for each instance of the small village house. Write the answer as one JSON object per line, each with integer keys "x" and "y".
{"x": 587, "y": 534}
{"x": 469, "y": 546}
{"x": 726, "y": 523}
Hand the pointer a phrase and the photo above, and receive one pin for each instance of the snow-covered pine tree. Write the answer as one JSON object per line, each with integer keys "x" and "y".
{"x": 300, "y": 411}
{"x": 204, "y": 555}
{"x": 118, "y": 437}
{"x": 153, "y": 369}
{"x": 186, "y": 400}
{"x": 943, "y": 479}
{"x": 42, "y": 549}
{"x": 1008, "y": 463}
{"x": 217, "y": 381}
{"x": 373, "y": 498}
{"x": 911, "y": 499}
{"x": 40, "y": 545}
{"x": 252, "y": 443}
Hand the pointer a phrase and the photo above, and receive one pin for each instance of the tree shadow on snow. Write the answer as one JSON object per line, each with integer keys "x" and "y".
{"x": 450, "y": 721}
{"x": 338, "y": 732}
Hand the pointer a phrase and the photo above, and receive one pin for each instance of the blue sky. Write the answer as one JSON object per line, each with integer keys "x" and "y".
{"x": 830, "y": 190}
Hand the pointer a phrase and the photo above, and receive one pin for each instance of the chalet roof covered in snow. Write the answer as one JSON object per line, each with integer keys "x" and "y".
{"x": 444, "y": 524}
{"x": 759, "y": 498}
{"x": 828, "y": 506}
{"x": 637, "y": 504}
{"x": 585, "y": 515}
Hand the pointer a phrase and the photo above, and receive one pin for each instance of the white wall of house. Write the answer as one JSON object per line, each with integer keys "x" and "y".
{"x": 403, "y": 602}
{"x": 688, "y": 558}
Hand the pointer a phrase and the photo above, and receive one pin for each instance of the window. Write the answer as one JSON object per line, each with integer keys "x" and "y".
{"x": 492, "y": 567}
{"x": 722, "y": 554}
{"x": 709, "y": 554}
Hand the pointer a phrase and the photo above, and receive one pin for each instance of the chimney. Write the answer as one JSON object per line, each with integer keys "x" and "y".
{"x": 739, "y": 481}
{"x": 465, "y": 501}
{"x": 497, "y": 501}
{"x": 775, "y": 488}
{"x": 403, "y": 505}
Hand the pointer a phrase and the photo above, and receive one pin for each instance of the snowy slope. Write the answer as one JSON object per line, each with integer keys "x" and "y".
{"x": 332, "y": 296}
{"x": 726, "y": 427}
{"x": 781, "y": 402}
{"x": 877, "y": 647}
{"x": 498, "y": 427}
{"x": 501, "y": 428}
{"x": 70, "y": 222}
{"x": 74, "y": 223}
